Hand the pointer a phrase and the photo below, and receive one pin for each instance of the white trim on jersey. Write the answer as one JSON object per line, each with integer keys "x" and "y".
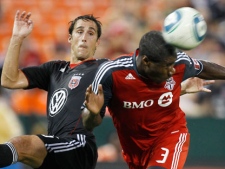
{"x": 123, "y": 62}
{"x": 67, "y": 146}
{"x": 183, "y": 56}
{"x": 178, "y": 150}
{"x": 14, "y": 152}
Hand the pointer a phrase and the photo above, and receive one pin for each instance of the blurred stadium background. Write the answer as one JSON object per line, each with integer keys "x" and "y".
{"x": 124, "y": 21}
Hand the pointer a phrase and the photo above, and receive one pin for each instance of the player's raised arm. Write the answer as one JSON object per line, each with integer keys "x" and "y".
{"x": 212, "y": 71}
{"x": 93, "y": 102}
{"x": 194, "y": 85}
{"x": 11, "y": 76}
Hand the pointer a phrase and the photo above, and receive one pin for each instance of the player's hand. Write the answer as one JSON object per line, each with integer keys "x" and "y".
{"x": 23, "y": 25}
{"x": 94, "y": 102}
{"x": 194, "y": 85}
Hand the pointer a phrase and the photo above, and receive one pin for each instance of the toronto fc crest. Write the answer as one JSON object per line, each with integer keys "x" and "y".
{"x": 74, "y": 81}
{"x": 170, "y": 83}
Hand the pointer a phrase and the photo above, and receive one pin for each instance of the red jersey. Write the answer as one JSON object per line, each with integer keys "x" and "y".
{"x": 141, "y": 109}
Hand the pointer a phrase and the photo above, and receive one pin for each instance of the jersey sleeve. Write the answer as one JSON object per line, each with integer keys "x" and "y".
{"x": 104, "y": 77}
{"x": 38, "y": 76}
{"x": 192, "y": 66}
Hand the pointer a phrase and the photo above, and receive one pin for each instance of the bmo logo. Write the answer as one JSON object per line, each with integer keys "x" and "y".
{"x": 163, "y": 101}
{"x": 135, "y": 105}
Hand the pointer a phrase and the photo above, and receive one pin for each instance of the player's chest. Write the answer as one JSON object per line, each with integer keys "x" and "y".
{"x": 73, "y": 79}
{"x": 130, "y": 87}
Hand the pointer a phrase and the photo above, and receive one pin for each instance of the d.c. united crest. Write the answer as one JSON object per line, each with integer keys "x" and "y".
{"x": 74, "y": 81}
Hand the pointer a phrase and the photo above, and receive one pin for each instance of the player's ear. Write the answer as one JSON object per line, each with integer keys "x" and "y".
{"x": 145, "y": 60}
{"x": 97, "y": 43}
{"x": 70, "y": 38}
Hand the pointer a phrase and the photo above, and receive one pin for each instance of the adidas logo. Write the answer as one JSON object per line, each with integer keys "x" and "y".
{"x": 130, "y": 76}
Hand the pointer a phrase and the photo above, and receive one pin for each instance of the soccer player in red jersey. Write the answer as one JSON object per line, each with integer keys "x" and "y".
{"x": 142, "y": 92}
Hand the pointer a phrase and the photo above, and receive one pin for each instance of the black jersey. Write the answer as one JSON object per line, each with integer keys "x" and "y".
{"x": 66, "y": 92}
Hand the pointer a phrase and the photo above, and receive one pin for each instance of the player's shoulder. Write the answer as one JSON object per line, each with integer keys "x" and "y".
{"x": 123, "y": 56}
{"x": 121, "y": 62}
{"x": 183, "y": 58}
{"x": 125, "y": 60}
{"x": 100, "y": 61}
{"x": 57, "y": 62}
{"x": 55, "y": 65}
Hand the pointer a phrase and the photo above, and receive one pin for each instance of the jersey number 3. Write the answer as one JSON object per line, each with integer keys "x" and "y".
{"x": 164, "y": 155}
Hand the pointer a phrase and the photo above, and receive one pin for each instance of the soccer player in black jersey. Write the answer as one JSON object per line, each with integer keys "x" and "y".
{"x": 68, "y": 144}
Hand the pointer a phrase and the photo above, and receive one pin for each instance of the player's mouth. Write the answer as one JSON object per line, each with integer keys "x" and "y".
{"x": 161, "y": 79}
{"x": 83, "y": 46}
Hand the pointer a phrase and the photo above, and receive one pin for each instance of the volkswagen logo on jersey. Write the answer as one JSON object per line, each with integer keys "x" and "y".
{"x": 170, "y": 83}
{"x": 165, "y": 99}
{"x": 74, "y": 81}
{"x": 57, "y": 101}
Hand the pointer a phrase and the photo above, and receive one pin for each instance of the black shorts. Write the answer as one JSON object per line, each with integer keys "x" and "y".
{"x": 69, "y": 153}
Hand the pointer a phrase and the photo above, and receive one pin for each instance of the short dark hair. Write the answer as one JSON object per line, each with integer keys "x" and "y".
{"x": 88, "y": 17}
{"x": 153, "y": 45}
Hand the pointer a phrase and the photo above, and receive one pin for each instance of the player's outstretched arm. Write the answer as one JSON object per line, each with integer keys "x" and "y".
{"x": 194, "y": 85}
{"x": 212, "y": 71}
{"x": 11, "y": 76}
{"x": 93, "y": 102}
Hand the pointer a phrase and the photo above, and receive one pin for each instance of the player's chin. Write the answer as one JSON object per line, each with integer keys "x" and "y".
{"x": 161, "y": 80}
{"x": 83, "y": 56}
{"x": 158, "y": 81}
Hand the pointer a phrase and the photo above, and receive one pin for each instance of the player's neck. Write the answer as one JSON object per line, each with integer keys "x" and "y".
{"x": 79, "y": 60}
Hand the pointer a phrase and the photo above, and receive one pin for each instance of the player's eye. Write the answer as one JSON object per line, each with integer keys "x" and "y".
{"x": 91, "y": 33}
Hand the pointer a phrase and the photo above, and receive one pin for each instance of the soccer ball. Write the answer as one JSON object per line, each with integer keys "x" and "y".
{"x": 184, "y": 28}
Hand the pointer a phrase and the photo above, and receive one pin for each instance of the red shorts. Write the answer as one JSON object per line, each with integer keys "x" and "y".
{"x": 169, "y": 151}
